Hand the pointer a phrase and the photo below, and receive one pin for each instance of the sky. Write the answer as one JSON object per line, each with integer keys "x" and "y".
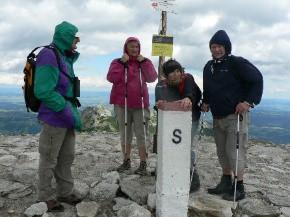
{"x": 259, "y": 31}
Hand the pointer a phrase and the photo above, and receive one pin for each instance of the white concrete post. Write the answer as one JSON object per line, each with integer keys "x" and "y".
{"x": 173, "y": 161}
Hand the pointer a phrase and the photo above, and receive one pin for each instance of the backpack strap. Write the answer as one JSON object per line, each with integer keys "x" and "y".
{"x": 32, "y": 55}
{"x": 58, "y": 60}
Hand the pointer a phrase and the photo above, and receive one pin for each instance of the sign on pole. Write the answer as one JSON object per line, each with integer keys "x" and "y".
{"x": 162, "y": 45}
{"x": 163, "y": 5}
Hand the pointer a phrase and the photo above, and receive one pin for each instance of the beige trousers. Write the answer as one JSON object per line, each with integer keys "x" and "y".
{"x": 134, "y": 121}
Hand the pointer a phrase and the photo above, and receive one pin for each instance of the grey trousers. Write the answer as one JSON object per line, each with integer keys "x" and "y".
{"x": 225, "y": 135}
{"x": 56, "y": 149}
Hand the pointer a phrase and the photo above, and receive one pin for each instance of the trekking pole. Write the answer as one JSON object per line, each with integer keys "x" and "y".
{"x": 237, "y": 159}
{"x": 143, "y": 112}
{"x": 202, "y": 120}
{"x": 126, "y": 118}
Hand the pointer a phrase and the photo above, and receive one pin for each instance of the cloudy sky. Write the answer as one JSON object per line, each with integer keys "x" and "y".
{"x": 259, "y": 31}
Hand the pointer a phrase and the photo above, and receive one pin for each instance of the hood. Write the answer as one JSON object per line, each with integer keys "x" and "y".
{"x": 129, "y": 40}
{"x": 64, "y": 35}
{"x": 221, "y": 37}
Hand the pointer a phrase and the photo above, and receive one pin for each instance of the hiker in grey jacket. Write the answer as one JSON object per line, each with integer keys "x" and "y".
{"x": 232, "y": 85}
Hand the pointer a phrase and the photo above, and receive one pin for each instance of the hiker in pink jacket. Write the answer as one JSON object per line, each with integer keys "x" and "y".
{"x": 133, "y": 63}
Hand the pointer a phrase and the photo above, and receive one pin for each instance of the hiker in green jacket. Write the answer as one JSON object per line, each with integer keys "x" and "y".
{"x": 58, "y": 114}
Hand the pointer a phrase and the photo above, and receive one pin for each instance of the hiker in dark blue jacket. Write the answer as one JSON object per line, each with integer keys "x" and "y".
{"x": 232, "y": 85}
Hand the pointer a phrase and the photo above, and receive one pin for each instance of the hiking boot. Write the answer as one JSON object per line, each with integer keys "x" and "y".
{"x": 54, "y": 206}
{"x": 71, "y": 199}
{"x": 142, "y": 169}
{"x": 240, "y": 193}
{"x": 126, "y": 165}
{"x": 195, "y": 183}
{"x": 225, "y": 186}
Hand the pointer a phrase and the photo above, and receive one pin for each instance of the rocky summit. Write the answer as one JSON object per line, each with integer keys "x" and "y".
{"x": 107, "y": 193}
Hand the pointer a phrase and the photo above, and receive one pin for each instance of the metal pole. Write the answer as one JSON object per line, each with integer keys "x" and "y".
{"x": 162, "y": 32}
{"x": 143, "y": 111}
{"x": 126, "y": 112}
{"x": 237, "y": 160}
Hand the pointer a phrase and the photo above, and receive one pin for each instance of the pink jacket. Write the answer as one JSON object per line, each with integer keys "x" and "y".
{"x": 116, "y": 75}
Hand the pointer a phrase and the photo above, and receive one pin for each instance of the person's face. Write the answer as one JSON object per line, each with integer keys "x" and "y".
{"x": 174, "y": 77}
{"x": 217, "y": 51}
{"x": 133, "y": 48}
{"x": 74, "y": 44}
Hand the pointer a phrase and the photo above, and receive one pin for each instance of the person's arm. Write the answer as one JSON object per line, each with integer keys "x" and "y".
{"x": 205, "y": 100}
{"x": 253, "y": 80}
{"x": 148, "y": 70}
{"x": 46, "y": 80}
{"x": 116, "y": 71}
{"x": 188, "y": 90}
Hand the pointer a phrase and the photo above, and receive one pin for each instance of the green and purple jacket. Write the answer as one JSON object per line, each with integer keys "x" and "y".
{"x": 52, "y": 87}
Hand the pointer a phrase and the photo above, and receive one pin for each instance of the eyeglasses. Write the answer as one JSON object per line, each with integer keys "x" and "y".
{"x": 77, "y": 39}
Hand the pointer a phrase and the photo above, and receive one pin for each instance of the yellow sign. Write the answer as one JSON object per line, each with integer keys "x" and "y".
{"x": 162, "y": 45}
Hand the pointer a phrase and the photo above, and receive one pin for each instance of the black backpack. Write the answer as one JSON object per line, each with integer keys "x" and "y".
{"x": 31, "y": 102}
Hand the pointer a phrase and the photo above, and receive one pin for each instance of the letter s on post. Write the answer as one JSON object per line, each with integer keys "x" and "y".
{"x": 176, "y": 136}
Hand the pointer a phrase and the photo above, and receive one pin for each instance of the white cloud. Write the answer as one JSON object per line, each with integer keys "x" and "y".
{"x": 259, "y": 31}
{"x": 11, "y": 79}
{"x": 95, "y": 82}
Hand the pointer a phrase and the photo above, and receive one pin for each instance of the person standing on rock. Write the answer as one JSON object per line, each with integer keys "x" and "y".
{"x": 232, "y": 85}
{"x": 180, "y": 86}
{"x": 129, "y": 75}
{"x": 58, "y": 115}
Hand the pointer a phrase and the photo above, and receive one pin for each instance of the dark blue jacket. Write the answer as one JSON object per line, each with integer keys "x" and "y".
{"x": 230, "y": 81}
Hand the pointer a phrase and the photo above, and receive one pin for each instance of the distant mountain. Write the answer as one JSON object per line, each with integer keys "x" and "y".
{"x": 269, "y": 120}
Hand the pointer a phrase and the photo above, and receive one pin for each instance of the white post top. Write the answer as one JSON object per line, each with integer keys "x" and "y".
{"x": 173, "y": 159}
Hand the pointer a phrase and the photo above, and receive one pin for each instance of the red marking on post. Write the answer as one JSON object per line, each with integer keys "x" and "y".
{"x": 173, "y": 106}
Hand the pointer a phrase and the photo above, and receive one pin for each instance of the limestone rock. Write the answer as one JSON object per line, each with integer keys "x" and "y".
{"x": 27, "y": 176}
{"x": 151, "y": 202}
{"x": 104, "y": 191}
{"x": 28, "y": 161}
{"x": 47, "y": 214}
{"x": 204, "y": 205}
{"x": 13, "y": 190}
{"x": 20, "y": 193}
{"x": 98, "y": 119}
{"x": 285, "y": 211}
{"x": 121, "y": 202}
{"x": 257, "y": 207}
{"x": 133, "y": 210}
{"x": 266, "y": 179}
{"x": 111, "y": 177}
{"x": 36, "y": 209}
{"x": 8, "y": 160}
{"x": 1, "y": 203}
{"x": 279, "y": 200}
{"x": 139, "y": 188}
{"x": 81, "y": 189}
{"x": 87, "y": 209}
